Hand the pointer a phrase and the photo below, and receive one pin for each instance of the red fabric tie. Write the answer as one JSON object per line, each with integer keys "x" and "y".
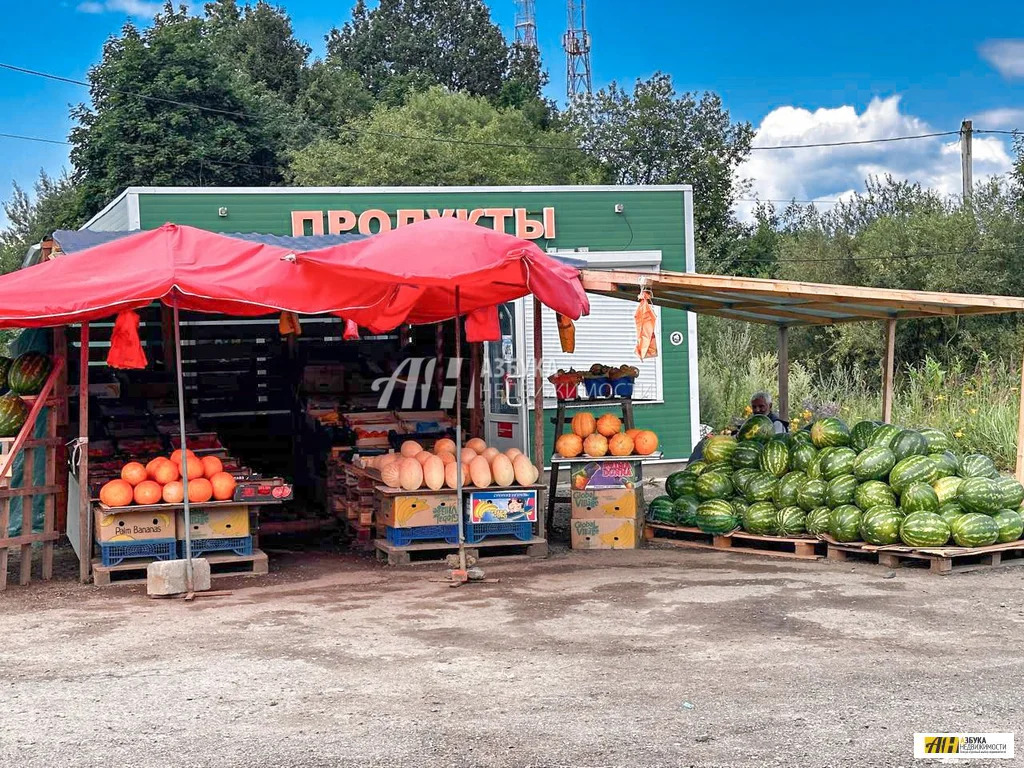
{"x": 125, "y": 348}
{"x": 482, "y": 325}
{"x": 351, "y": 331}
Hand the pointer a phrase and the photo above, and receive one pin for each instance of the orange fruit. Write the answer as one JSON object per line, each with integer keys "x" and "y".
{"x": 199, "y": 490}
{"x": 223, "y": 486}
{"x": 174, "y": 492}
{"x": 148, "y": 492}
{"x": 211, "y": 466}
{"x": 165, "y": 472}
{"x": 133, "y": 472}
{"x": 117, "y": 493}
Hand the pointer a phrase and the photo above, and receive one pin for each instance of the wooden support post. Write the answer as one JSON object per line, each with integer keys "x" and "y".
{"x": 60, "y": 462}
{"x": 538, "y": 400}
{"x": 167, "y": 337}
{"x": 1020, "y": 429}
{"x": 887, "y": 376}
{"x": 476, "y": 386}
{"x": 84, "y": 529}
{"x": 783, "y": 405}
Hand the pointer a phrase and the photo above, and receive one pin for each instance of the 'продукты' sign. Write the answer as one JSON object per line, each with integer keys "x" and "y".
{"x": 375, "y": 220}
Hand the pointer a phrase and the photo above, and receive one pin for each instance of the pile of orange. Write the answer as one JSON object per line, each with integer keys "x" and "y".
{"x": 603, "y": 437}
{"x": 160, "y": 481}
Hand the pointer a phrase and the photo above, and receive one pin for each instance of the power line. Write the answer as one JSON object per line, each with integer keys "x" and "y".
{"x": 861, "y": 141}
{"x": 33, "y": 138}
{"x": 1012, "y": 132}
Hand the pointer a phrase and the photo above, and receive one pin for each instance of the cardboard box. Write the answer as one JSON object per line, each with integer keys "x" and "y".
{"x": 226, "y": 522}
{"x": 417, "y": 510}
{"x": 605, "y": 533}
{"x": 605, "y": 474}
{"x": 606, "y": 503}
{"x": 126, "y": 524}
{"x": 511, "y": 506}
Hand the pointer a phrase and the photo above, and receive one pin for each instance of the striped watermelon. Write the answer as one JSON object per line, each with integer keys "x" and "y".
{"x": 785, "y": 494}
{"x": 811, "y": 495}
{"x": 741, "y": 477}
{"x": 13, "y": 415}
{"x": 913, "y": 469}
{"x": 716, "y": 516}
{"x": 761, "y": 487}
{"x": 838, "y": 462}
{"x": 947, "y": 488}
{"x": 722, "y": 467}
{"x": 739, "y": 506}
{"x": 938, "y": 441}
{"x": 818, "y": 520}
{"x": 801, "y": 437}
{"x": 840, "y": 491}
{"x": 714, "y": 485}
{"x": 946, "y": 463}
{"x": 980, "y": 494}
{"x": 924, "y": 529}
{"x": 813, "y": 468}
{"x": 681, "y": 484}
{"x": 1012, "y": 492}
{"x": 760, "y": 518}
{"x": 684, "y": 510}
{"x": 660, "y": 509}
{"x": 696, "y": 467}
{"x": 844, "y": 524}
{"x": 775, "y": 458}
{"x": 881, "y": 526}
{"x": 885, "y": 434}
{"x": 919, "y": 497}
{"x": 977, "y": 465}
{"x": 874, "y": 493}
{"x": 5, "y": 366}
{"x": 746, "y": 455}
{"x": 801, "y": 456}
{"x": 861, "y": 434}
{"x": 719, "y": 448}
{"x": 28, "y": 373}
{"x": 791, "y": 521}
{"x": 975, "y": 530}
{"x": 874, "y": 463}
{"x": 950, "y": 511}
{"x": 829, "y": 432}
{"x": 757, "y": 427}
{"x": 908, "y": 443}
{"x": 1011, "y": 526}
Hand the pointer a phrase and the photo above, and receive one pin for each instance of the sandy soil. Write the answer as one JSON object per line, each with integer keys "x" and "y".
{"x": 636, "y": 658}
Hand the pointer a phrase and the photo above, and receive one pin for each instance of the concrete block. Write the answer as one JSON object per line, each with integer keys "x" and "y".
{"x": 168, "y": 577}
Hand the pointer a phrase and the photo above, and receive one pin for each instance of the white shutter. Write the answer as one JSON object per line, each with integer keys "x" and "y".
{"x": 607, "y": 335}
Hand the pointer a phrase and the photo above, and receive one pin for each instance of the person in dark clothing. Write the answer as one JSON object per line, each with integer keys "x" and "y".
{"x": 760, "y": 405}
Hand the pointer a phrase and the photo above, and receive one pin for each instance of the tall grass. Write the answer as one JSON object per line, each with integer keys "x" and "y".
{"x": 978, "y": 405}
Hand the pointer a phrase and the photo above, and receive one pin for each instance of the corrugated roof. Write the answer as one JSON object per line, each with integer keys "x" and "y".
{"x": 791, "y": 303}
{"x": 73, "y": 240}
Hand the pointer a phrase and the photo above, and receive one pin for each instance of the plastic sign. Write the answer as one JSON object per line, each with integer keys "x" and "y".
{"x": 523, "y": 223}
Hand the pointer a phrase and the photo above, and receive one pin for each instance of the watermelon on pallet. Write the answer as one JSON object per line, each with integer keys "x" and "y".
{"x": 722, "y": 467}
{"x": 919, "y": 497}
{"x": 874, "y": 493}
{"x": 908, "y": 443}
{"x": 714, "y": 485}
{"x": 788, "y": 488}
{"x": 719, "y": 448}
{"x": 746, "y": 455}
{"x": 13, "y": 414}
{"x": 913, "y": 469}
{"x": 761, "y": 487}
{"x": 881, "y": 526}
{"x": 938, "y": 441}
{"x": 829, "y": 432}
{"x": 840, "y": 491}
{"x": 802, "y": 437}
{"x": 681, "y": 484}
{"x": 5, "y": 366}
{"x": 1012, "y": 492}
{"x": 28, "y": 373}
{"x": 660, "y": 509}
{"x": 946, "y": 463}
{"x": 873, "y": 463}
{"x": 975, "y": 530}
{"x": 980, "y": 494}
{"x": 950, "y": 511}
{"x": 760, "y": 518}
{"x": 801, "y": 456}
{"x": 977, "y": 465}
{"x": 924, "y": 529}
{"x": 838, "y": 462}
{"x": 813, "y": 468}
{"x": 947, "y": 488}
{"x": 844, "y": 523}
{"x": 739, "y": 506}
{"x": 1011, "y": 525}
{"x": 885, "y": 434}
{"x": 775, "y": 458}
{"x": 716, "y": 516}
{"x": 684, "y": 510}
{"x": 741, "y": 477}
{"x": 818, "y": 520}
{"x": 811, "y": 495}
{"x": 791, "y": 521}
{"x": 757, "y": 427}
{"x": 861, "y": 434}
{"x": 696, "y": 467}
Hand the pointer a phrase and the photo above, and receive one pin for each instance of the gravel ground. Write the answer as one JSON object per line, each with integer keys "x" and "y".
{"x": 653, "y": 657}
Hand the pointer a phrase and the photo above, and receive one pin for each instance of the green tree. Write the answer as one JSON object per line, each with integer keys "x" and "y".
{"x": 331, "y": 97}
{"x": 56, "y": 204}
{"x": 452, "y": 43}
{"x": 655, "y": 135}
{"x": 168, "y": 110}
{"x": 384, "y": 148}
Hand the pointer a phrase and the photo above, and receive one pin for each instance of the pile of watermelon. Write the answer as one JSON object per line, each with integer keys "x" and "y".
{"x": 876, "y": 483}
{"x": 25, "y": 375}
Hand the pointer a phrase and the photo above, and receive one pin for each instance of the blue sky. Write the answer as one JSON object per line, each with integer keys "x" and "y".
{"x": 836, "y": 72}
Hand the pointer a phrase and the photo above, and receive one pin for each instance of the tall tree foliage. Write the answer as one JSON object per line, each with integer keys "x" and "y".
{"x": 56, "y": 204}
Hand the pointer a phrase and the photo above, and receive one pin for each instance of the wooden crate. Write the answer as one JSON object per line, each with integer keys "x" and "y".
{"x": 222, "y": 565}
{"x": 435, "y": 551}
{"x": 941, "y": 560}
{"x": 796, "y": 548}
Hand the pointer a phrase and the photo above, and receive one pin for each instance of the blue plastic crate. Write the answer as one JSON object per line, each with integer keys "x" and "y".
{"x": 161, "y": 549}
{"x": 400, "y": 537}
{"x": 475, "y": 533}
{"x": 240, "y": 545}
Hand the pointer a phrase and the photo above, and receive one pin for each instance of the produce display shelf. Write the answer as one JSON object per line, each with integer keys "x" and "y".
{"x": 434, "y": 552}
{"x": 581, "y": 459}
{"x": 385, "y": 490}
{"x": 941, "y": 560}
{"x": 222, "y": 564}
{"x": 168, "y": 507}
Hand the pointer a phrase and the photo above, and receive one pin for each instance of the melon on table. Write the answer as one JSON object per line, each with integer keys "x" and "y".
{"x": 480, "y": 472}
{"x": 410, "y": 474}
{"x": 433, "y": 473}
{"x": 477, "y": 445}
{"x": 501, "y": 471}
{"x": 526, "y": 473}
{"x": 410, "y": 448}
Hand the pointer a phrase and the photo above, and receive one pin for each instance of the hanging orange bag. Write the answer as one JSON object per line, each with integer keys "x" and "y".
{"x": 646, "y": 339}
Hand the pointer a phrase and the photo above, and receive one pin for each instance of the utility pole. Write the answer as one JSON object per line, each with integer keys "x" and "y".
{"x": 966, "y": 159}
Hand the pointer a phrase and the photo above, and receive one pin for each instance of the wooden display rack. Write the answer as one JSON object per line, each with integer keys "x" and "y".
{"x": 222, "y": 565}
{"x": 435, "y": 551}
{"x": 794, "y": 548}
{"x": 941, "y": 560}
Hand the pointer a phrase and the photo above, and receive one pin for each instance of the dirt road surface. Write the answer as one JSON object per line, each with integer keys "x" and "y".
{"x": 630, "y": 658}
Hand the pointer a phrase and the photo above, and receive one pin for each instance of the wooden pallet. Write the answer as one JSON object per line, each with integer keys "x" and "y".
{"x": 435, "y": 551}
{"x": 221, "y": 566}
{"x": 795, "y": 548}
{"x": 942, "y": 560}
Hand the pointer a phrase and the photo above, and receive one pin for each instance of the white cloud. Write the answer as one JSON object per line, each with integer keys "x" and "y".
{"x": 1002, "y": 118}
{"x": 130, "y": 7}
{"x": 830, "y": 173}
{"x": 1007, "y": 56}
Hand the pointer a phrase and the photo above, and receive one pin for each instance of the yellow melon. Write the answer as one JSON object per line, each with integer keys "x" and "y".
{"x": 501, "y": 471}
{"x": 569, "y": 445}
{"x": 583, "y": 424}
{"x": 468, "y": 454}
{"x": 444, "y": 445}
{"x": 512, "y": 453}
{"x": 433, "y": 473}
{"x": 446, "y": 458}
{"x": 386, "y": 459}
{"x": 490, "y": 453}
{"x": 609, "y": 425}
{"x": 389, "y": 475}
{"x": 620, "y": 444}
{"x": 410, "y": 448}
{"x": 596, "y": 445}
{"x": 525, "y": 472}
{"x": 477, "y": 445}
{"x": 410, "y": 474}
{"x": 480, "y": 472}
{"x": 423, "y": 456}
